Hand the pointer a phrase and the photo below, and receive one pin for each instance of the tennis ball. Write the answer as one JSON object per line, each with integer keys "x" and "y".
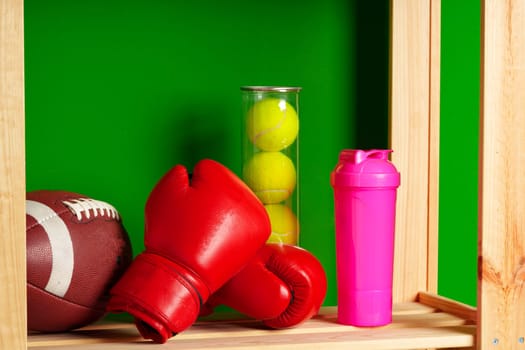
{"x": 285, "y": 227}
{"x": 272, "y": 124}
{"x": 271, "y": 175}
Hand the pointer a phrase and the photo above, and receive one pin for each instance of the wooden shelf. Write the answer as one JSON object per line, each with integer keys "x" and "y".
{"x": 415, "y": 325}
{"x": 421, "y": 319}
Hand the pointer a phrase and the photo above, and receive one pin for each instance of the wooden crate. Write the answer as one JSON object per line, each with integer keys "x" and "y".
{"x": 422, "y": 319}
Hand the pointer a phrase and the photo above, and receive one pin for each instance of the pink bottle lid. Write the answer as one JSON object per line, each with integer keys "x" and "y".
{"x": 358, "y": 168}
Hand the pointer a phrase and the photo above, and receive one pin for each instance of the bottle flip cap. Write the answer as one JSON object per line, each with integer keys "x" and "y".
{"x": 358, "y": 168}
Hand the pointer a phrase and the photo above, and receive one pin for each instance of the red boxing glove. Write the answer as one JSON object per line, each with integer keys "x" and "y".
{"x": 198, "y": 234}
{"x": 283, "y": 286}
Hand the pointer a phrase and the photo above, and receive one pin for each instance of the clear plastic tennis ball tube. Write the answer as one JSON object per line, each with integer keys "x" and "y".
{"x": 270, "y": 154}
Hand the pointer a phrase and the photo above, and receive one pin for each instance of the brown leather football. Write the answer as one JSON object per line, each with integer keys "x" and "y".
{"x": 77, "y": 248}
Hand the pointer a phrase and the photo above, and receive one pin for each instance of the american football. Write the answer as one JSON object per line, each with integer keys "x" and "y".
{"x": 77, "y": 248}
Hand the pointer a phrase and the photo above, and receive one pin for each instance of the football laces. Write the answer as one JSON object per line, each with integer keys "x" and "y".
{"x": 87, "y": 207}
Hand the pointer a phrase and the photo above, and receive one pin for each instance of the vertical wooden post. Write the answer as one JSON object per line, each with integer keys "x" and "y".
{"x": 414, "y": 118}
{"x": 433, "y": 141}
{"x": 13, "y": 328}
{"x": 501, "y": 280}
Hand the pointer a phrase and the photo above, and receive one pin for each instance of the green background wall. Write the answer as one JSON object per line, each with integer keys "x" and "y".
{"x": 117, "y": 92}
{"x": 460, "y": 96}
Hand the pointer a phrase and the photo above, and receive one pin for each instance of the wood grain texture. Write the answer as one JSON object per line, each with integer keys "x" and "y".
{"x": 501, "y": 262}
{"x": 414, "y": 119}
{"x": 415, "y": 326}
{"x": 12, "y": 178}
{"x": 452, "y": 307}
{"x": 433, "y": 140}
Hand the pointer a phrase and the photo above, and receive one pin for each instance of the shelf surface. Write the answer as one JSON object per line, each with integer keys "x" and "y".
{"x": 414, "y": 326}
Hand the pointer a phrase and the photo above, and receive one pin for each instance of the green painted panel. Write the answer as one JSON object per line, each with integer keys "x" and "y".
{"x": 120, "y": 91}
{"x": 117, "y": 92}
{"x": 460, "y": 79}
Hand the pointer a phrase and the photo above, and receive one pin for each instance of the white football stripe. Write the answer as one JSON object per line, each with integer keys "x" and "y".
{"x": 61, "y": 246}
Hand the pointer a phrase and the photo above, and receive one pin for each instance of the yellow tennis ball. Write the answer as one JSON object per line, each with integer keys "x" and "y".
{"x": 271, "y": 175}
{"x": 272, "y": 124}
{"x": 285, "y": 227}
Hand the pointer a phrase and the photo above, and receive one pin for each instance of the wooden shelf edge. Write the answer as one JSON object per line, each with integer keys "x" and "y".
{"x": 466, "y": 312}
{"x": 415, "y": 325}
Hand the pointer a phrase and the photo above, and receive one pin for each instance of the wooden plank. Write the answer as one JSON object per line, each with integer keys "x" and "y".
{"x": 12, "y": 177}
{"x": 501, "y": 292}
{"x": 413, "y": 315}
{"x": 453, "y": 307}
{"x": 414, "y": 119}
{"x": 433, "y": 151}
{"x": 386, "y": 339}
{"x": 411, "y": 321}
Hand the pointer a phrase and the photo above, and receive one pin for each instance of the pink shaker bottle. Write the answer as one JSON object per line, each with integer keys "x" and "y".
{"x": 365, "y": 185}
